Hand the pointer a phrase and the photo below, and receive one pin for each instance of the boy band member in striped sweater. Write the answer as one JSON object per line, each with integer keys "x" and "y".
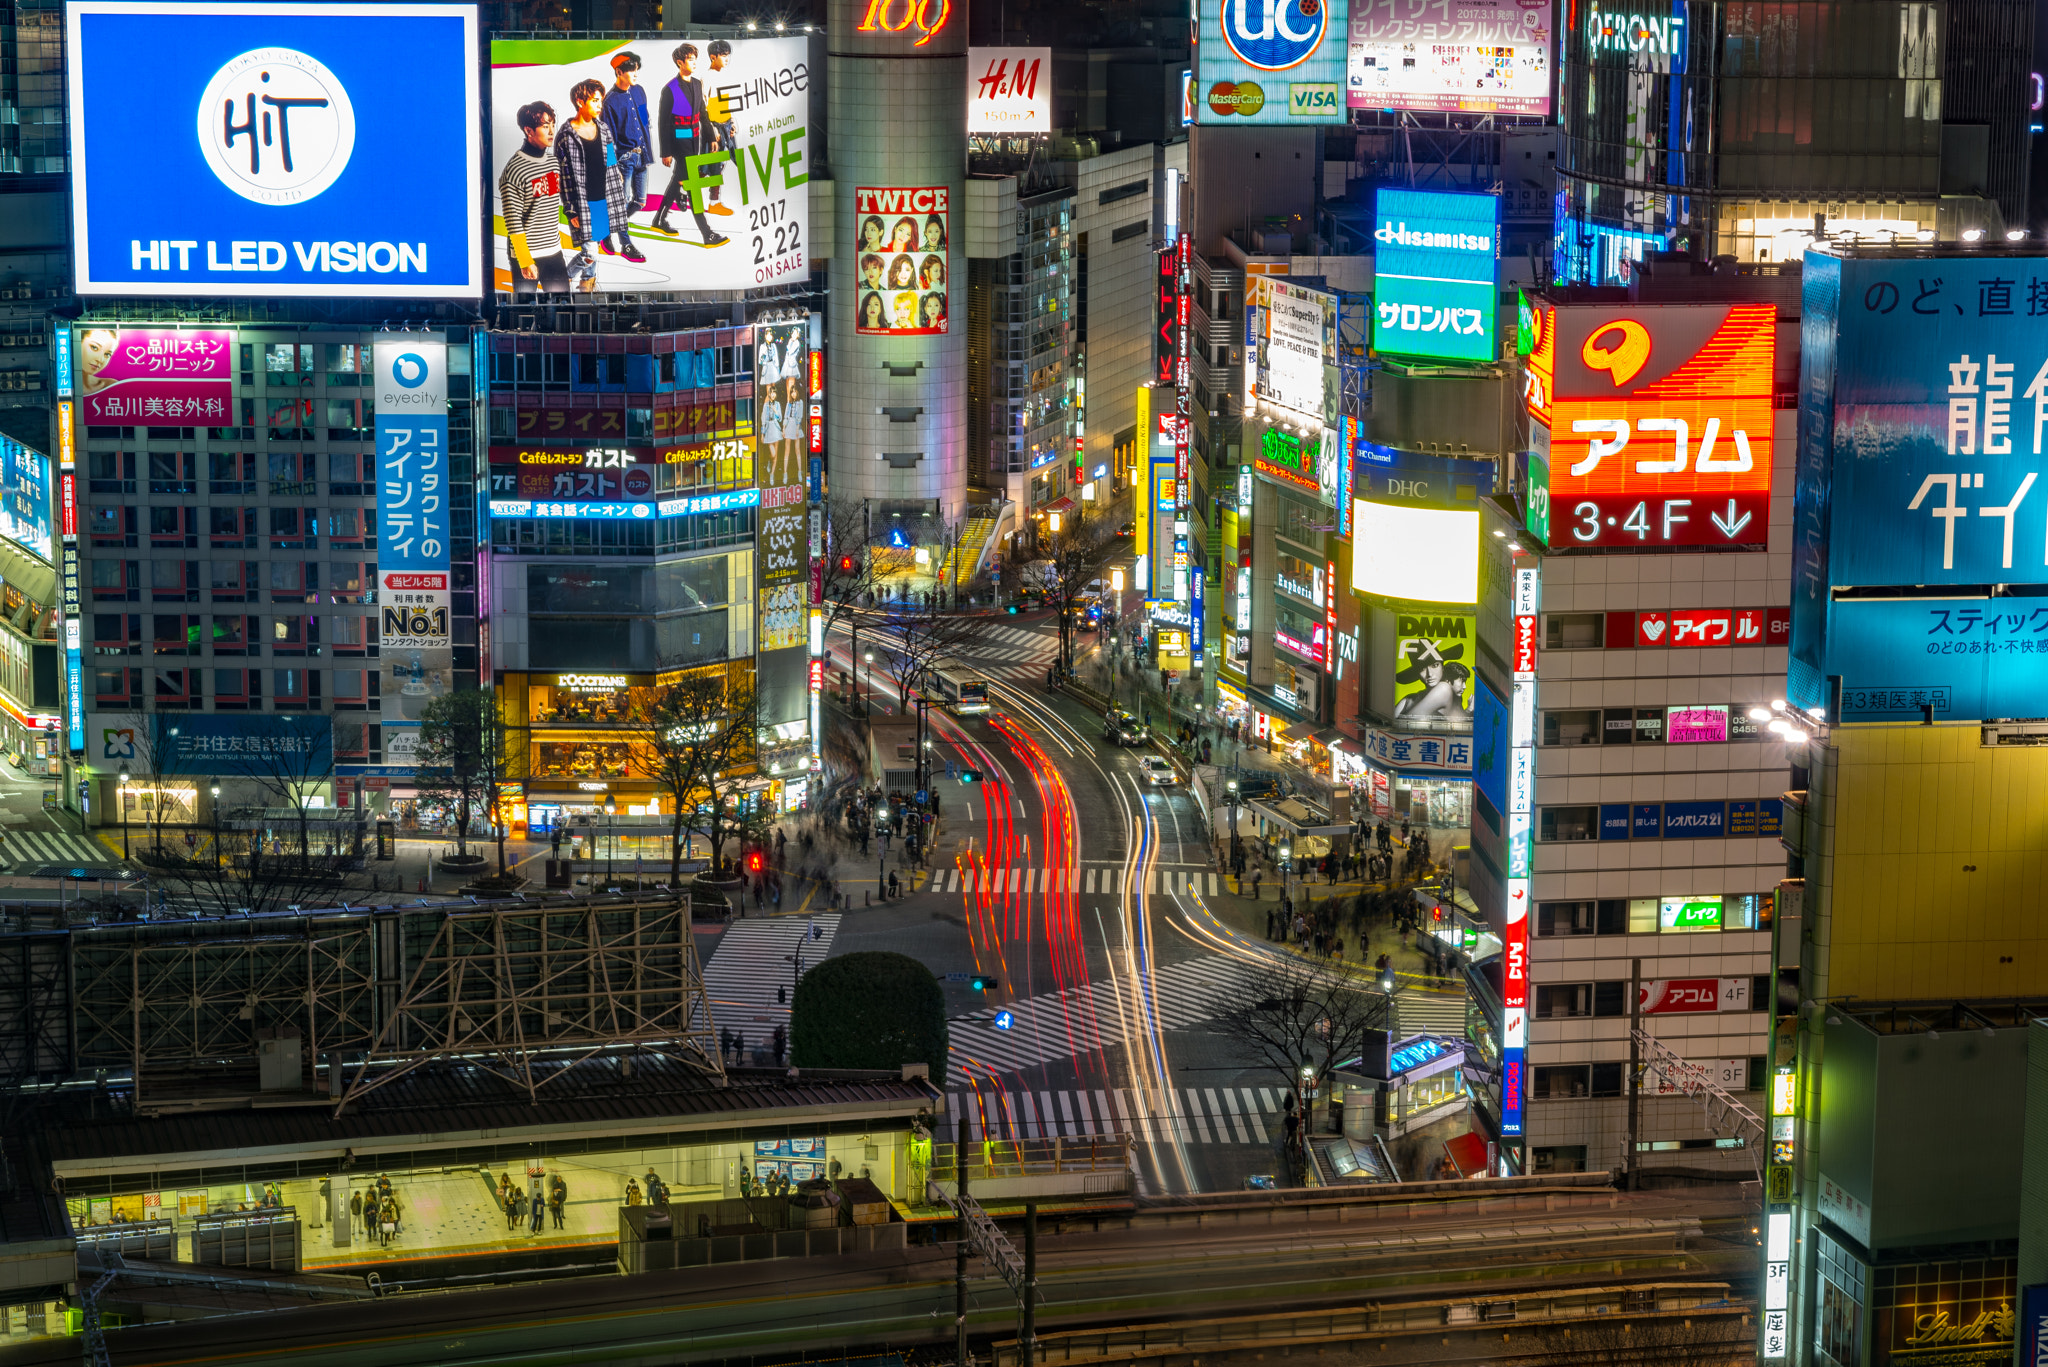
{"x": 530, "y": 198}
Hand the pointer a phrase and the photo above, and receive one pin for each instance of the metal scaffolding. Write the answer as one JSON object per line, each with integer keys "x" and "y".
{"x": 510, "y": 986}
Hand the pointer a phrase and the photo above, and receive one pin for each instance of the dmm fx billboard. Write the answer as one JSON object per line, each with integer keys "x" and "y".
{"x": 1270, "y": 61}
{"x": 1433, "y": 274}
{"x": 712, "y": 188}
{"x": 293, "y": 149}
{"x": 1659, "y": 420}
{"x": 412, "y": 492}
{"x": 1923, "y": 413}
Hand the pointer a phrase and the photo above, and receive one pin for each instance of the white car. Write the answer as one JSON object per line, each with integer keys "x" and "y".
{"x": 1157, "y": 771}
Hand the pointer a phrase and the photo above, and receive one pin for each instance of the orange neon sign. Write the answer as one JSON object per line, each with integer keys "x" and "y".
{"x": 899, "y": 16}
{"x": 1660, "y": 422}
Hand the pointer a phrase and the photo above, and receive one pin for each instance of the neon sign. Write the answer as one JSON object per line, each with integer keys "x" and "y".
{"x": 928, "y": 17}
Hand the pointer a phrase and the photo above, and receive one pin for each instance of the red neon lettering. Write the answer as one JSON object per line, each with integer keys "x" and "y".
{"x": 930, "y": 16}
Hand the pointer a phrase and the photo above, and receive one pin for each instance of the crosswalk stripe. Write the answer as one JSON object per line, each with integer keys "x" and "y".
{"x": 743, "y": 973}
{"x": 1190, "y": 1116}
{"x": 27, "y": 848}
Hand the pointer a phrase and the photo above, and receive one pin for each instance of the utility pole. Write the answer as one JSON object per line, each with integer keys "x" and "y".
{"x": 960, "y": 1250}
{"x": 1635, "y": 1067}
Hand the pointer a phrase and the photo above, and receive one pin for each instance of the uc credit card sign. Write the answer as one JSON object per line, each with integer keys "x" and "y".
{"x": 1270, "y": 61}
{"x": 292, "y": 149}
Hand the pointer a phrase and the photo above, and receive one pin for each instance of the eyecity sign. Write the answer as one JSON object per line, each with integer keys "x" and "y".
{"x": 271, "y": 130}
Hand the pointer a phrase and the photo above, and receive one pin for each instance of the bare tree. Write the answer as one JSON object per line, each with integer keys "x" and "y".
{"x": 1704, "y": 1339}
{"x": 695, "y": 738}
{"x": 152, "y": 754}
{"x": 915, "y": 637}
{"x": 1069, "y": 558}
{"x": 849, "y": 570}
{"x": 1301, "y": 1020}
{"x": 462, "y": 761}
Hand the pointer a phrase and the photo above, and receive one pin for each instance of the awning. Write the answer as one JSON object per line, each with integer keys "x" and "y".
{"x": 1059, "y": 505}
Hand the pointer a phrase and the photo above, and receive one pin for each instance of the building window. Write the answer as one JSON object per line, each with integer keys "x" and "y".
{"x": 1610, "y": 998}
{"x": 1578, "y": 727}
{"x": 1573, "y": 631}
{"x": 1607, "y": 1078}
{"x": 1557, "y": 1001}
{"x": 1565, "y": 918}
{"x": 236, "y": 688}
{"x": 1569, "y": 823}
{"x": 1558, "y": 1158}
{"x": 175, "y": 635}
{"x": 1561, "y": 1080}
{"x": 292, "y": 688}
{"x": 1838, "y": 1328}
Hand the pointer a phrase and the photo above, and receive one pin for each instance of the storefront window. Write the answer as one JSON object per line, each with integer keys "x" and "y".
{"x": 581, "y": 759}
{"x": 595, "y": 699}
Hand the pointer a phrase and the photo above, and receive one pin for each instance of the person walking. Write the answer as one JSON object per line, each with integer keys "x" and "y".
{"x": 558, "y": 1199}
{"x": 539, "y": 1214}
{"x": 355, "y": 1209}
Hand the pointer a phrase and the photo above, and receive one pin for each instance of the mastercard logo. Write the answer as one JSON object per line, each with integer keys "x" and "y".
{"x": 1236, "y": 97}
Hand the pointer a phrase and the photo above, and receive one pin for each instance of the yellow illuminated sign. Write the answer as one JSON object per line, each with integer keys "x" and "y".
{"x": 1784, "y": 1093}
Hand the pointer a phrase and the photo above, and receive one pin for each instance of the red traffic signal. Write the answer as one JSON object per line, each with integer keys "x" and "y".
{"x": 755, "y": 863}
{"x": 846, "y": 564}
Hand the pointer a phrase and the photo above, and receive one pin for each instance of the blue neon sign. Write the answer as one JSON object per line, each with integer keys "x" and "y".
{"x": 709, "y": 503}
{"x": 528, "y": 507}
{"x": 1433, "y": 273}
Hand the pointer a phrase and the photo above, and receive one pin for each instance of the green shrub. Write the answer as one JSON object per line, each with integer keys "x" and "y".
{"x": 870, "y": 1010}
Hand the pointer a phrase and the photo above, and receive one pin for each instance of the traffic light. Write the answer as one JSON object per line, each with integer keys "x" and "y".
{"x": 982, "y": 984}
{"x": 970, "y": 775}
{"x": 755, "y": 861}
{"x": 846, "y": 564}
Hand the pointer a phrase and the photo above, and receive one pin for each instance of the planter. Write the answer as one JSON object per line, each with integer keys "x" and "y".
{"x": 464, "y": 863}
{"x": 709, "y": 890}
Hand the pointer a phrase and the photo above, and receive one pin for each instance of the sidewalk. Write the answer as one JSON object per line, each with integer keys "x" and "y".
{"x": 1236, "y": 909}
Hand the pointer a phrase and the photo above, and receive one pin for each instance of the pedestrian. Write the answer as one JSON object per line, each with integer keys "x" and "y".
{"x": 1258, "y": 879}
{"x": 633, "y": 1196}
{"x": 539, "y": 1215}
{"x": 557, "y": 1199}
{"x": 1269, "y": 925}
{"x": 355, "y": 1209}
{"x": 387, "y": 1222}
{"x": 739, "y": 1046}
{"x": 512, "y": 1212}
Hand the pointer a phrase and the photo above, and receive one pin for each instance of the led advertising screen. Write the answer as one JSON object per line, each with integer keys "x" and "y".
{"x": 1433, "y": 678}
{"x": 1269, "y": 61}
{"x": 157, "y": 377}
{"x": 25, "y": 496}
{"x": 1428, "y": 555}
{"x": 692, "y": 155}
{"x": 1480, "y": 55}
{"x": 1967, "y": 658}
{"x": 277, "y": 137}
{"x": 899, "y": 241}
{"x": 1433, "y": 273}
{"x": 1291, "y": 331}
{"x": 1660, "y": 423}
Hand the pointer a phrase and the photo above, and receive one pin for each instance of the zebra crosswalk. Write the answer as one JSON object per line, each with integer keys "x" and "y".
{"x": 1081, "y": 1022}
{"x": 1185, "y": 1115}
{"x": 1010, "y": 652}
{"x": 754, "y": 958}
{"x": 1081, "y": 880}
{"x": 23, "y": 850}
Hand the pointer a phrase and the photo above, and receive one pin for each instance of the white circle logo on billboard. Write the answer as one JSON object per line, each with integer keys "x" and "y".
{"x": 276, "y": 126}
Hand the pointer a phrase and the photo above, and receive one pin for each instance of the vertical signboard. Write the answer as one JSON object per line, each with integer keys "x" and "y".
{"x": 1433, "y": 292}
{"x": 1528, "y": 595}
{"x": 74, "y": 661}
{"x": 782, "y": 378}
{"x": 1184, "y": 290}
{"x": 413, "y": 583}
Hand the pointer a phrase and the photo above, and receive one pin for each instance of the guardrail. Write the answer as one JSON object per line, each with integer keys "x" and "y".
{"x": 1035, "y": 1157}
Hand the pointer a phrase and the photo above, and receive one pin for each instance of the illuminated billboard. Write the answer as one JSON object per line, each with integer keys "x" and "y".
{"x": 25, "y": 496}
{"x": 665, "y": 164}
{"x": 276, "y": 137}
{"x": 1269, "y": 61}
{"x": 1433, "y": 274}
{"x": 1009, "y": 90}
{"x": 1291, "y": 347}
{"x": 1491, "y": 56}
{"x": 157, "y": 376}
{"x": 1433, "y": 678}
{"x": 1659, "y": 421}
{"x": 899, "y": 242}
{"x": 414, "y": 584}
{"x": 1427, "y": 555}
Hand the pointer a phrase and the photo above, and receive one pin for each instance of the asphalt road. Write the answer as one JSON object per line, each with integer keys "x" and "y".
{"x": 1080, "y": 887}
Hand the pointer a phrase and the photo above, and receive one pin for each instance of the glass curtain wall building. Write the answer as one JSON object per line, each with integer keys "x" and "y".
{"x": 1724, "y": 129}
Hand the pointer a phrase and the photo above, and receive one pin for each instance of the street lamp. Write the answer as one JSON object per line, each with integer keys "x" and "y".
{"x": 611, "y": 810}
{"x": 1231, "y": 787}
{"x": 124, "y": 813}
{"x": 216, "y": 825}
{"x": 868, "y": 698}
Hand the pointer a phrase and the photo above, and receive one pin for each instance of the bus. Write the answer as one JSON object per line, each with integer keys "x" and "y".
{"x": 962, "y": 692}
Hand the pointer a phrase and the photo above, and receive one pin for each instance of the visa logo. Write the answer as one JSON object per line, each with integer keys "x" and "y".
{"x": 1314, "y": 101}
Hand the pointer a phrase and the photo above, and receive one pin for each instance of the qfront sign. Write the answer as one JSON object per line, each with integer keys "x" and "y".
{"x": 277, "y": 139}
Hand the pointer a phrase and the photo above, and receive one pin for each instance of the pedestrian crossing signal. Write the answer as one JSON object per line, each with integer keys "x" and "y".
{"x": 970, "y": 775}
{"x": 754, "y": 861}
{"x": 981, "y": 984}
{"x": 846, "y": 564}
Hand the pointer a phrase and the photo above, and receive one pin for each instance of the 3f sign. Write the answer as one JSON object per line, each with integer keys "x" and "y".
{"x": 900, "y": 16}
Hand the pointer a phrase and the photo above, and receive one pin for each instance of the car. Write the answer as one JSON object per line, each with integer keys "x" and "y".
{"x": 1121, "y": 728}
{"x": 1128, "y": 529}
{"x": 1157, "y": 771}
{"x": 1096, "y": 588}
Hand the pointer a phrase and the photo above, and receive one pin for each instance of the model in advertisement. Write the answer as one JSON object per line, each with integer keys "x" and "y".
{"x": 685, "y": 131}
{"x": 720, "y": 117}
{"x": 593, "y": 189}
{"x": 632, "y": 129}
{"x": 1445, "y": 684}
{"x": 530, "y": 197}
